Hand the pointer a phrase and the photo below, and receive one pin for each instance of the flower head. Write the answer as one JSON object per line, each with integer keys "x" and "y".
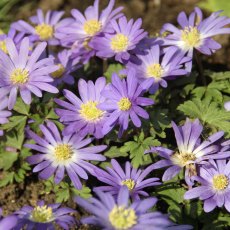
{"x": 159, "y": 67}
{"x": 113, "y": 214}
{"x": 65, "y": 68}
{"x": 90, "y": 24}
{"x": 125, "y": 37}
{"x": 24, "y": 73}
{"x": 8, "y": 222}
{"x": 58, "y": 154}
{"x": 215, "y": 185}
{"x": 132, "y": 178}
{"x": 190, "y": 153}
{"x": 44, "y": 216}
{"x": 124, "y": 99}
{"x": 45, "y": 26}
{"x": 196, "y": 32}
{"x": 82, "y": 115}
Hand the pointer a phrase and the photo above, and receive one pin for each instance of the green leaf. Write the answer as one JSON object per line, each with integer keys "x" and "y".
{"x": 21, "y": 107}
{"x": 113, "y": 68}
{"x": 15, "y": 121}
{"x": 210, "y": 113}
{"x": 8, "y": 178}
{"x": 7, "y": 159}
{"x": 114, "y": 152}
{"x": 85, "y": 192}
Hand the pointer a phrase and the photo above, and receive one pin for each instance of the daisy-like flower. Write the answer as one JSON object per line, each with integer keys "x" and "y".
{"x": 24, "y": 73}
{"x": 115, "y": 214}
{"x": 45, "y": 26}
{"x": 196, "y": 32}
{"x": 191, "y": 152}
{"x": 82, "y": 115}
{"x": 65, "y": 68}
{"x": 133, "y": 178}
{"x": 160, "y": 67}
{"x": 44, "y": 217}
{"x": 60, "y": 153}
{"x": 90, "y": 24}
{"x": 9, "y": 222}
{"x": 126, "y": 36}
{"x": 124, "y": 100}
{"x": 214, "y": 189}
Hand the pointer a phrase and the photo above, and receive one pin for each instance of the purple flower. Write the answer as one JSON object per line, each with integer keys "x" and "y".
{"x": 4, "y": 114}
{"x": 44, "y": 217}
{"x": 196, "y": 33}
{"x": 90, "y": 24}
{"x": 159, "y": 67}
{"x": 24, "y": 73}
{"x": 125, "y": 37}
{"x": 82, "y": 115}
{"x": 65, "y": 68}
{"x": 124, "y": 101}
{"x": 227, "y": 105}
{"x": 7, "y": 223}
{"x": 58, "y": 154}
{"x": 191, "y": 152}
{"x": 214, "y": 189}
{"x": 111, "y": 214}
{"x": 45, "y": 26}
{"x": 115, "y": 177}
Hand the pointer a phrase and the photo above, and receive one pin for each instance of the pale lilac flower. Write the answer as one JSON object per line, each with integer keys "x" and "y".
{"x": 214, "y": 189}
{"x": 109, "y": 213}
{"x": 92, "y": 23}
{"x": 82, "y": 115}
{"x": 125, "y": 38}
{"x": 159, "y": 67}
{"x": 25, "y": 73}
{"x": 133, "y": 178}
{"x": 45, "y": 27}
{"x": 124, "y": 100}
{"x": 43, "y": 217}
{"x": 59, "y": 153}
{"x": 191, "y": 152}
{"x": 196, "y": 32}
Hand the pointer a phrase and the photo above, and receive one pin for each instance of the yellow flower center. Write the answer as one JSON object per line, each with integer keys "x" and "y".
{"x": 44, "y": 31}
{"x": 190, "y": 36}
{"x": 119, "y": 43}
{"x": 182, "y": 159}
{"x": 90, "y": 112}
{"x": 154, "y": 70}
{"x": 42, "y": 214}
{"x": 59, "y": 72}
{"x": 122, "y": 218}
{"x": 3, "y": 46}
{"x": 63, "y": 152}
{"x": 220, "y": 182}
{"x": 129, "y": 183}
{"x": 92, "y": 26}
{"x": 19, "y": 76}
{"x": 124, "y": 104}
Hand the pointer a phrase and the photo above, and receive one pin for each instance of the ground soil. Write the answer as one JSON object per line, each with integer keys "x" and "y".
{"x": 154, "y": 14}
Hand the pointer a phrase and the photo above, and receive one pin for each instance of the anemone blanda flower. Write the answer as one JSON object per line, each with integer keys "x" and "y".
{"x": 60, "y": 153}
{"x": 126, "y": 36}
{"x": 160, "y": 67}
{"x": 65, "y": 68}
{"x": 124, "y": 98}
{"x": 44, "y": 217}
{"x": 24, "y": 73}
{"x": 113, "y": 214}
{"x": 196, "y": 32}
{"x": 134, "y": 179}
{"x": 191, "y": 152}
{"x": 82, "y": 115}
{"x": 8, "y": 222}
{"x": 90, "y": 24}
{"x": 4, "y": 113}
{"x": 214, "y": 189}
{"x": 45, "y": 26}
